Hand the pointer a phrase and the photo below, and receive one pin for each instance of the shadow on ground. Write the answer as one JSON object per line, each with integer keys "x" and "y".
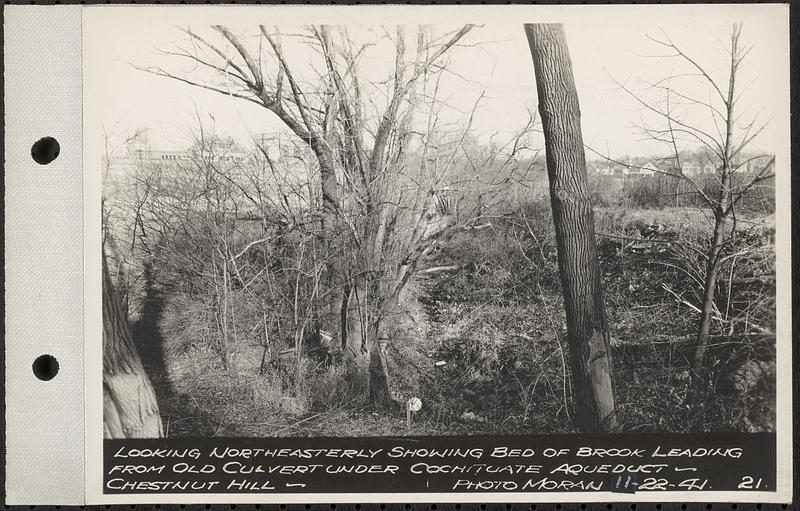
{"x": 179, "y": 418}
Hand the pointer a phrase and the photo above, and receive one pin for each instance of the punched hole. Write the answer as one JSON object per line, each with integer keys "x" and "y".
{"x": 45, "y": 367}
{"x": 45, "y": 150}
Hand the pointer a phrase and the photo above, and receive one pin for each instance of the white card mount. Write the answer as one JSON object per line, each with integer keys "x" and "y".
{"x": 44, "y": 256}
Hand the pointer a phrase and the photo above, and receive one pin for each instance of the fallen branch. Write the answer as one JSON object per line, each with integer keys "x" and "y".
{"x": 245, "y": 249}
{"x": 749, "y": 280}
{"x": 627, "y": 238}
{"x": 717, "y": 316}
{"x": 652, "y": 240}
{"x": 679, "y": 297}
{"x": 438, "y": 269}
{"x": 479, "y": 226}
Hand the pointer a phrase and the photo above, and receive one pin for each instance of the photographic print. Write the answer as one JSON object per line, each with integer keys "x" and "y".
{"x": 440, "y": 229}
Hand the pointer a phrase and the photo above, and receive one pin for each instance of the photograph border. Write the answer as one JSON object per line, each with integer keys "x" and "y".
{"x": 562, "y": 13}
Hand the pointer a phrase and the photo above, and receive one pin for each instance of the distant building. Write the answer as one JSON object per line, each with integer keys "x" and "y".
{"x": 599, "y": 168}
{"x": 669, "y": 165}
{"x": 142, "y": 155}
{"x": 648, "y": 169}
{"x": 278, "y": 145}
{"x": 689, "y": 165}
{"x": 604, "y": 170}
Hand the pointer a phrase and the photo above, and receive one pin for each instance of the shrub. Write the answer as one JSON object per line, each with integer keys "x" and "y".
{"x": 338, "y": 386}
{"x": 644, "y": 192}
{"x": 185, "y": 323}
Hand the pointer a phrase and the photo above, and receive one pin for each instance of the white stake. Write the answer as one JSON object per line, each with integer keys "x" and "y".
{"x": 414, "y": 404}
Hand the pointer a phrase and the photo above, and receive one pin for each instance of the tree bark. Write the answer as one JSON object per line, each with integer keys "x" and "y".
{"x": 354, "y": 344}
{"x": 380, "y": 383}
{"x": 709, "y": 293}
{"x": 587, "y": 330}
{"x": 130, "y": 409}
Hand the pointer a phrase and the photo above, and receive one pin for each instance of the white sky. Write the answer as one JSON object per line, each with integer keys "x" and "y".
{"x": 604, "y": 42}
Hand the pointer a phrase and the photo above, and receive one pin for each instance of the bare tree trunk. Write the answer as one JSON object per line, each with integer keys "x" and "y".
{"x": 120, "y": 273}
{"x": 721, "y": 211}
{"x": 696, "y": 395}
{"x": 130, "y": 409}
{"x": 709, "y": 292}
{"x": 366, "y": 343}
{"x": 587, "y": 331}
{"x": 354, "y": 344}
{"x": 380, "y": 383}
{"x": 225, "y": 359}
{"x": 267, "y": 353}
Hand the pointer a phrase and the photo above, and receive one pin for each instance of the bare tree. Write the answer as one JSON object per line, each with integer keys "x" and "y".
{"x": 381, "y": 211}
{"x": 573, "y": 216}
{"x": 682, "y": 121}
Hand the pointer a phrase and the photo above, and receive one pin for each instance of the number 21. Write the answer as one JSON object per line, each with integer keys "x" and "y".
{"x": 748, "y": 483}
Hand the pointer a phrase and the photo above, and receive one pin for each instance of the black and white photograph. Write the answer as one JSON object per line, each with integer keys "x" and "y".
{"x": 415, "y": 254}
{"x": 380, "y": 230}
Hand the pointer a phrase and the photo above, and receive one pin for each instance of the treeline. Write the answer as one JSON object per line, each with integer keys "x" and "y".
{"x": 661, "y": 190}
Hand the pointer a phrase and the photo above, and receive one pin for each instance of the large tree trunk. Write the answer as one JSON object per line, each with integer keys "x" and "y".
{"x": 380, "y": 379}
{"x": 366, "y": 343}
{"x": 130, "y": 409}
{"x": 587, "y": 331}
